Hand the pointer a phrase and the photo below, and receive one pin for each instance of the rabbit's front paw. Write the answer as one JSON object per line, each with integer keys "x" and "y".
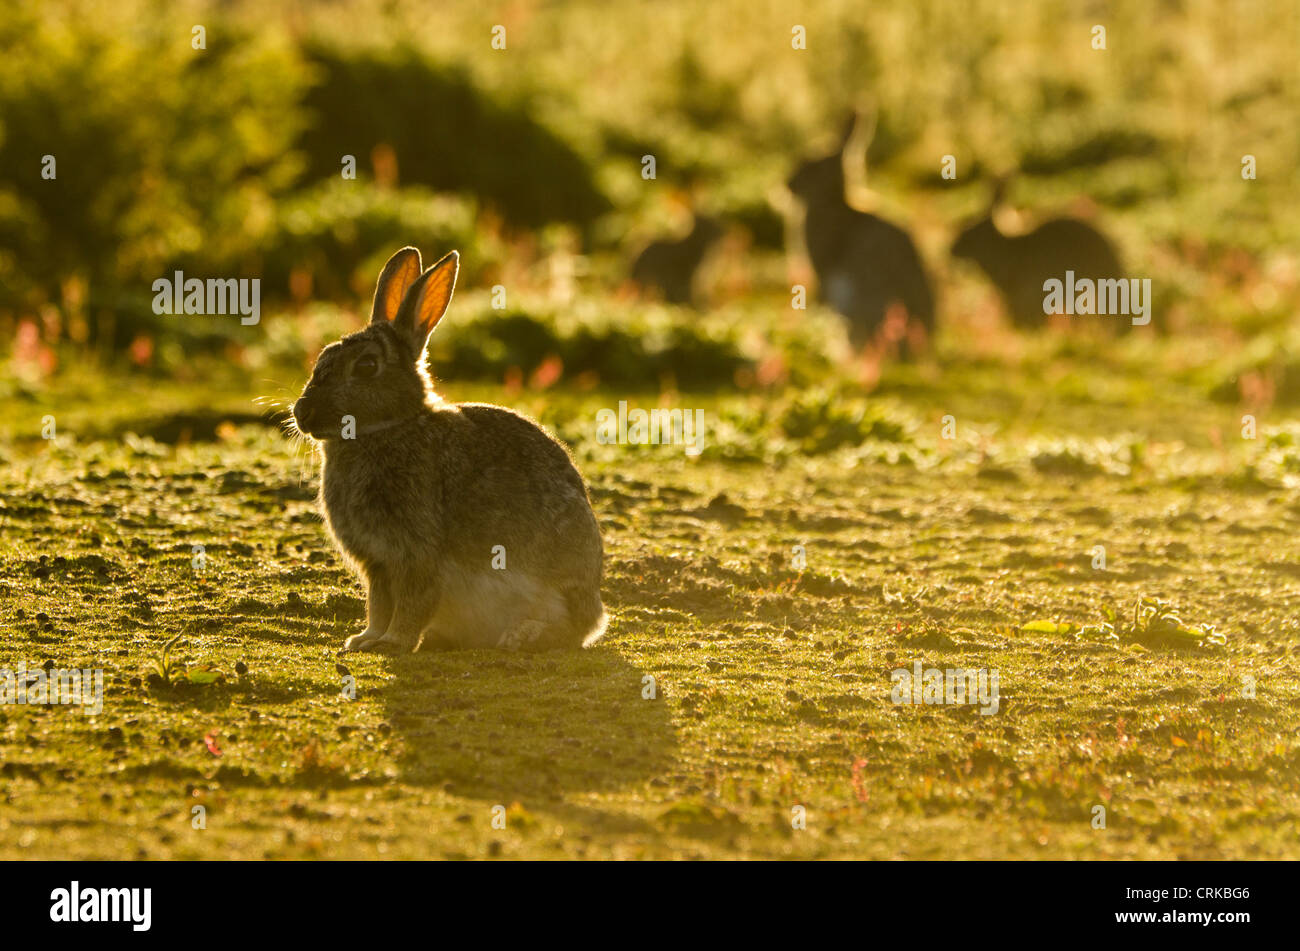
{"x": 359, "y": 642}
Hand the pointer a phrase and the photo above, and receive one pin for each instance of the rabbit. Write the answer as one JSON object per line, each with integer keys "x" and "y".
{"x": 670, "y": 266}
{"x": 470, "y": 526}
{"x": 1019, "y": 265}
{"x": 864, "y": 264}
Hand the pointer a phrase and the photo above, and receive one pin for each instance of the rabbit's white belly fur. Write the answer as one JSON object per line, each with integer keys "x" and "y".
{"x": 841, "y": 291}
{"x": 487, "y": 608}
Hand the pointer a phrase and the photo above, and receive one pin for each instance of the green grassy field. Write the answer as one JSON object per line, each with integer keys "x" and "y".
{"x": 771, "y": 680}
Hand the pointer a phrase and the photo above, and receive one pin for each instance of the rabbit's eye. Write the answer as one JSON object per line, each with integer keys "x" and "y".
{"x": 365, "y": 368}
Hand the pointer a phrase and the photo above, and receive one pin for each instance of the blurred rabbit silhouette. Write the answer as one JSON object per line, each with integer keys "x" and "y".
{"x": 1019, "y": 265}
{"x": 867, "y": 268}
{"x": 669, "y": 267}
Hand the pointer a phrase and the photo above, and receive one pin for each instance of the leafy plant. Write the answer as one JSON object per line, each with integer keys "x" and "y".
{"x": 1154, "y": 624}
{"x": 169, "y": 672}
{"x": 165, "y": 668}
{"x": 822, "y": 421}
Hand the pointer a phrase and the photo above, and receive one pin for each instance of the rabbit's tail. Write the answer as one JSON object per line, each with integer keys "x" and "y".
{"x": 586, "y": 614}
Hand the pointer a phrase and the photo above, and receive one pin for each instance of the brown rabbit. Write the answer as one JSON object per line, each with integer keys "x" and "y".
{"x": 1018, "y": 265}
{"x": 670, "y": 266}
{"x": 469, "y": 524}
{"x": 864, "y": 264}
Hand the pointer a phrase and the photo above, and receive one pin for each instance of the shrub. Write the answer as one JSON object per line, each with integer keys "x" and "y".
{"x": 164, "y": 154}
{"x": 341, "y": 232}
{"x": 445, "y": 133}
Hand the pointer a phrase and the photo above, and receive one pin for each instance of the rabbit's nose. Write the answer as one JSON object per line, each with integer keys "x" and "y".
{"x": 302, "y": 410}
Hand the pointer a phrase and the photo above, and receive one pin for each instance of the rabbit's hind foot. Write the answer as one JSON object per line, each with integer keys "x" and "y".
{"x": 358, "y": 642}
{"x": 528, "y": 634}
{"x": 563, "y": 633}
{"x": 390, "y": 644}
{"x": 378, "y": 642}
{"x": 534, "y": 635}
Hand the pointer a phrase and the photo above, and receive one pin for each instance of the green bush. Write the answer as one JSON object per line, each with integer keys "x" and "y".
{"x": 341, "y": 232}
{"x": 165, "y": 156}
{"x": 822, "y": 420}
{"x": 445, "y": 133}
{"x": 644, "y": 349}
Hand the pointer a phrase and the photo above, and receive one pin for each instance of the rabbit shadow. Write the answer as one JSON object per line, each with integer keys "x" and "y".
{"x": 526, "y": 727}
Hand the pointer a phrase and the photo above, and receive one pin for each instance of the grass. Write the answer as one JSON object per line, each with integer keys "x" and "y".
{"x": 771, "y": 677}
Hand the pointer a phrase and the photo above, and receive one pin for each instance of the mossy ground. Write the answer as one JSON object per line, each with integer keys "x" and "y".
{"x": 772, "y": 680}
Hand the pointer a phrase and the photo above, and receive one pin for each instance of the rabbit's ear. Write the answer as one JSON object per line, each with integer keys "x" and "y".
{"x": 1000, "y": 184}
{"x": 427, "y": 301}
{"x": 401, "y": 271}
{"x": 860, "y": 130}
{"x": 850, "y": 124}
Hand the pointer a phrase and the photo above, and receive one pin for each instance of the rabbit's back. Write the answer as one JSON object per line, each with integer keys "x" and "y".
{"x": 515, "y": 486}
{"x": 668, "y": 266}
{"x": 1070, "y": 244}
{"x": 456, "y": 482}
{"x": 1046, "y": 253}
{"x": 671, "y": 265}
